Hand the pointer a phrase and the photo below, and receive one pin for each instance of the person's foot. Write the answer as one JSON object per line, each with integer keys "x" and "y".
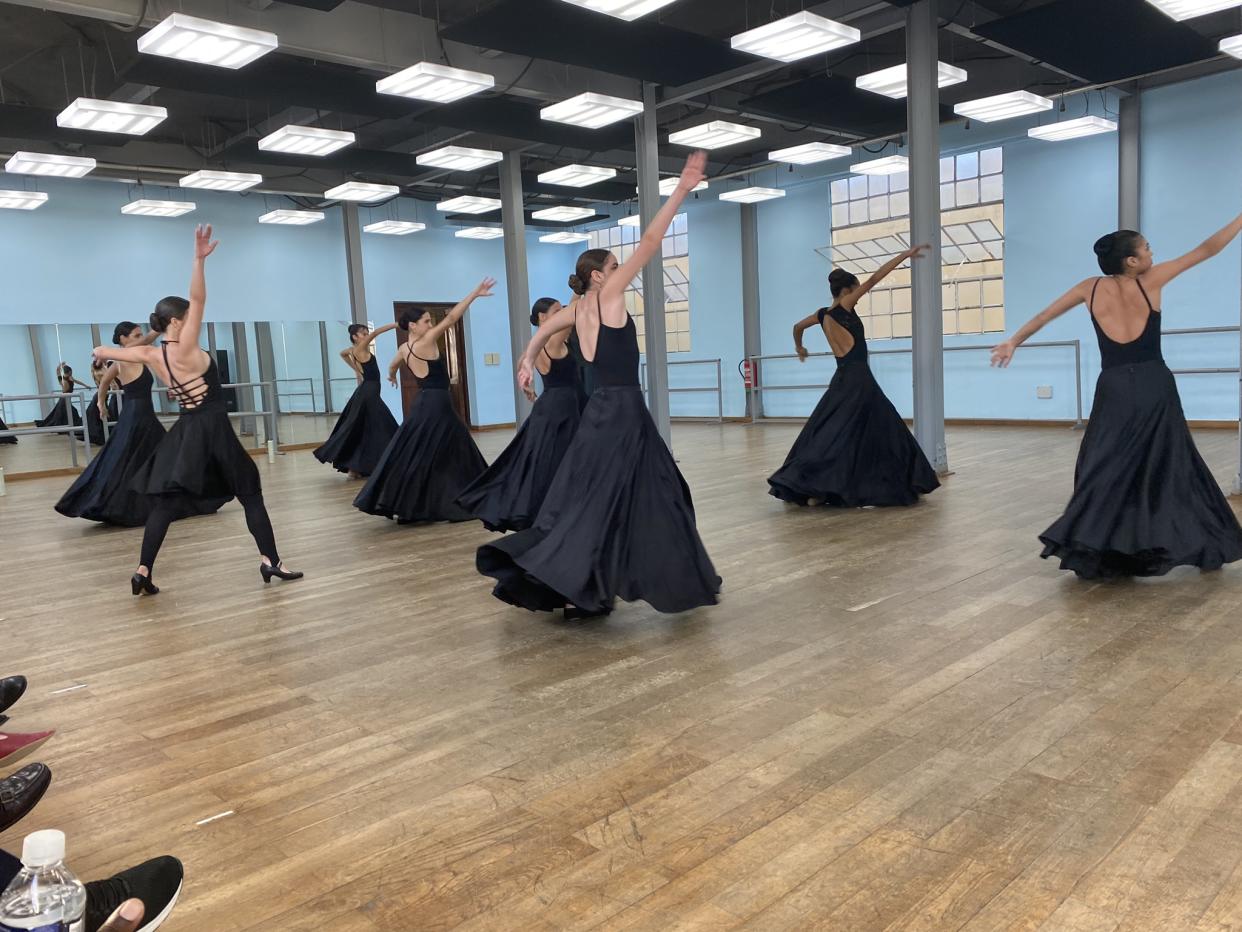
{"x": 20, "y": 792}
{"x": 11, "y": 689}
{"x": 157, "y": 883}
{"x": 280, "y": 571}
{"x": 14, "y": 747}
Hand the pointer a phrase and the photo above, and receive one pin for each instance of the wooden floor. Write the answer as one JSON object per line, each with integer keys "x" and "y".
{"x": 895, "y": 719}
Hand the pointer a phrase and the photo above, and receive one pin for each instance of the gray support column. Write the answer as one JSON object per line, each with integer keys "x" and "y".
{"x": 648, "y": 152}
{"x": 211, "y": 339}
{"x": 325, "y": 359}
{"x": 41, "y": 380}
{"x": 923, "y": 108}
{"x": 751, "y": 333}
{"x": 96, "y": 336}
{"x": 267, "y": 355}
{"x": 517, "y": 283}
{"x": 1129, "y": 124}
{"x": 241, "y": 373}
{"x": 353, "y": 263}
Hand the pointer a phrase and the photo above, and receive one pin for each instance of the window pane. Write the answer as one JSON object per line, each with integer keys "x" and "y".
{"x": 993, "y": 293}
{"x": 840, "y": 190}
{"x": 968, "y": 165}
{"x": 858, "y": 187}
{"x": 840, "y": 215}
{"x": 899, "y": 182}
{"x": 877, "y": 184}
{"x": 879, "y": 207}
{"x": 682, "y": 248}
{"x": 946, "y": 169}
{"x": 880, "y": 328}
{"x": 991, "y": 161}
{"x": 858, "y": 211}
{"x": 970, "y": 320}
{"x": 679, "y": 223}
{"x": 948, "y": 296}
{"x": 901, "y": 325}
{"x": 901, "y": 300}
{"x": 947, "y": 199}
{"x": 899, "y": 204}
{"x": 968, "y": 192}
{"x": 991, "y": 188}
{"x": 950, "y": 321}
{"x": 666, "y": 247}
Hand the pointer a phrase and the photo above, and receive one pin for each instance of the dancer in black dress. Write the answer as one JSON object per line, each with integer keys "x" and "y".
{"x": 365, "y": 426}
{"x": 855, "y": 449}
{"x": 432, "y": 457}
{"x": 63, "y": 413}
{"x": 4, "y": 426}
{"x": 507, "y": 497}
{"x": 618, "y": 520}
{"x": 104, "y": 407}
{"x": 1144, "y": 501}
{"x": 200, "y": 457}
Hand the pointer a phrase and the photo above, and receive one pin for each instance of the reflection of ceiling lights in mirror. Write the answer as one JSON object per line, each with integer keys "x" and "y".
{"x": 468, "y": 204}
{"x": 1232, "y": 46}
{"x": 110, "y": 116}
{"x": 459, "y": 158}
{"x": 631, "y": 221}
{"x": 394, "y": 227}
{"x": 1003, "y": 106}
{"x": 592, "y": 111}
{"x": 889, "y": 165}
{"x": 55, "y": 166}
{"x": 1188, "y": 9}
{"x": 150, "y": 208}
{"x": 206, "y": 42}
{"x": 292, "y": 218}
{"x": 565, "y": 236}
{"x": 752, "y": 195}
{"x": 439, "y": 84}
{"x": 795, "y": 37}
{"x": 669, "y": 185}
{"x": 220, "y": 181}
{"x": 1072, "y": 129}
{"x": 714, "y": 135}
{"x": 810, "y": 153}
{"x": 628, "y": 10}
{"x": 891, "y": 82}
{"x": 22, "y": 200}
{"x": 479, "y": 233}
{"x": 563, "y": 214}
{"x": 361, "y": 191}
{"x": 577, "y": 176}
{"x": 306, "y": 140}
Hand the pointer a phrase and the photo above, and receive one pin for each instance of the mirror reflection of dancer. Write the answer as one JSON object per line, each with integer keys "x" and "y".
{"x": 63, "y": 413}
{"x": 508, "y": 495}
{"x": 365, "y": 426}
{"x": 855, "y": 449}
{"x": 103, "y": 406}
{"x": 200, "y": 457}
{"x": 1144, "y": 501}
{"x": 618, "y": 520}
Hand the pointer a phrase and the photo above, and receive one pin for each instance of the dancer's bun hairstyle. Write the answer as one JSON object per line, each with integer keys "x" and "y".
{"x": 1112, "y": 251}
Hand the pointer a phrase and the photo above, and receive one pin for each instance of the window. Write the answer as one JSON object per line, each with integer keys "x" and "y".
{"x": 676, "y": 253}
{"x": 870, "y": 224}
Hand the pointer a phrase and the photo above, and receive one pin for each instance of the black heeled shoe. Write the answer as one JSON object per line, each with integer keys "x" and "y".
{"x": 142, "y": 585}
{"x": 267, "y": 571}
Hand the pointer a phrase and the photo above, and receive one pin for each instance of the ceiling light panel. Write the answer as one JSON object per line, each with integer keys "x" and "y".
{"x": 563, "y": 214}
{"x": 292, "y": 218}
{"x": 592, "y": 111}
{"x": 889, "y": 165}
{"x": 628, "y": 10}
{"x": 188, "y": 38}
{"x": 669, "y": 185}
{"x": 467, "y": 204}
{"x": 714, "y": 135}
{"x": 220, "y": 181}
{"x": 1003, "y": 106}
{"x": 892, "y": 82}
{"x": 438, "y": 84}
{"x": 479, "y": 233}
{"x": 51, "y": 166}
{"x": 306, "y": 140}
{"x": 631, "y": 221}
{"x": 1232, "y": 46}
{"x": 22, "y": 200}
{"x": 796, "y": 37}
{"x": 149, "y": 208}
{"x": 111, "y": 116}
{"x": 459, "y": 158}
{"x": 1189, "y": 9}
{"x": 752, "y": 195}
{"x": 361, "y": 191}
{"x": 1072, "y": 129}
{"x": 394, "y": 227}
{"x": 577, "y": 176}
{"x": 810, "y": 153}
{"x": 564, "y": 237}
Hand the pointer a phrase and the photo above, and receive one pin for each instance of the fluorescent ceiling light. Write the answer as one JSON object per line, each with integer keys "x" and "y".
{"x": 394, "y": 227}
{"x": 439, "y": 84}
{"x": 292, "y": 218}
{"x": 459, "y": 158}
{"x": 889, "y": 165}
{"x": 1072, "y": 129}
{"x": 479, "y": 233}
{"x": 565, "y": 236}
{"x": 306, "y": 140}
{"x": 110, "y": 116}
{"x": 669, "y": 185}
{"x": 467, "y": 204}
{"x": 631, "y": 221}
{"x": 810, "y": 153}
{"x": 714, "y": 135}
{"x": 796, "y": 37}
{"x": 891, "y": 82}
{"x": 189, "y": 38}
{"x": 22, "y": 200}
{"x": 577, "y": 176}
{"x": 1232, "y": 46}
{"x": 220, "y": 181}
{"x": 563, "y": 214}
{"x": 361, "y": 191}
{"x": 628, "y": 10}
{"x": 592, "y": 110}
{"x": 149, "y": 208}
{"x": 752, "y": 195}
{"x": 1004, "y": 106}
{"x": 1188, "y": 9}
{"x": 56, "y": 166}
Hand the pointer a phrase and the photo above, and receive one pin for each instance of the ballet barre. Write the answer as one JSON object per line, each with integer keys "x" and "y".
{"x": 70, "y": 429}
{"x": 310, "y": 383}
{"x": 267, "y": 412}
{"x": 717, "y": 389}
{"x": 330, "y": 405}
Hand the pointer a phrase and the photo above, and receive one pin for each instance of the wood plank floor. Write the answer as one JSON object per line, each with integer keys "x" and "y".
{"x": 895, "y": 719}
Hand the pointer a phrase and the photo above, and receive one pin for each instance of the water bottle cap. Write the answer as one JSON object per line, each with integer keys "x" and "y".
{"x": 43, "y": 848}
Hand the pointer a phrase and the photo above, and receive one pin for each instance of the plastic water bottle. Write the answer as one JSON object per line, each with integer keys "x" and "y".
{"x": 44, "y": 896}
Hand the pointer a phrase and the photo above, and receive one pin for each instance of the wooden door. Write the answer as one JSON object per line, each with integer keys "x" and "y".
{"x": 452, "y": 346}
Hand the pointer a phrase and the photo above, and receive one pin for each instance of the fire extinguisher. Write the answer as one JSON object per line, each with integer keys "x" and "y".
{"x": 744, "y": 368}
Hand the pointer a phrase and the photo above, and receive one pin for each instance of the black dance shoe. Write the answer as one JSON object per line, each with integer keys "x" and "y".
{"x": 11, "y": 689}
{"x": 267, "y": 571}
{"x": 142, "y": 585}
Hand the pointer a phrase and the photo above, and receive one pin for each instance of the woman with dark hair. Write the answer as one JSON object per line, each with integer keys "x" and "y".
{"x": 1144, "y": 501}
{"x": 200, "y": 457}
{"x": 508, "y": 495}
{"x": 63, "y": 413}
{"x": 618, "y": 520}
{"x": 432, "y": 457}
{"x": 855, "y": 449}
{"x": 365, "y": 426}
{"x": 105, "y": 408}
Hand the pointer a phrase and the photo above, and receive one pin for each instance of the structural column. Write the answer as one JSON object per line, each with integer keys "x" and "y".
{"x": 517, "y": 283}
{"x": 648, "y": 152}
{"x": 353, "y": 263}
{"x": 1129, "y": 124}
{"x": 325, "y": 360}
{"x": 751, "y": 333}
{"x": 923, "y": 108}
{"x": 241, "y": 375}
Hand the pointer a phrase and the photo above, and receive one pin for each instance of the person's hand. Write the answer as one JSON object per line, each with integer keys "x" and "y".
{"x": 1002, "y": 353}
{"x": 525, "y": 375}
{"x": 126, "y": 918}
{"x": 392, "y": 380}
{"x": 802, "y": 353}
{"x": 917, "y": 252}
{"x": 203, "y": 245}
{"x": 485, "y": 288}
{"x": 694, "y": 172}
{"x": 98, "y": 354}
{"x": 530, "y": 394}
{"x": 103, "y": 410}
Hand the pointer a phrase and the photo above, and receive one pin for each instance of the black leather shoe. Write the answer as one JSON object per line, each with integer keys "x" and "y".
{"x": 20, "y": 792}
{"x": 11, "y": 689}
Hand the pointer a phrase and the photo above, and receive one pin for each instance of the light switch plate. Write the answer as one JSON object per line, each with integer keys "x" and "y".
{"x": 1043, "y": 391}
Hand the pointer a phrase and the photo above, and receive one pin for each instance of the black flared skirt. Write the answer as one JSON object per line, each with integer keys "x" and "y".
{"x": 617, "y": 522}
{"x": 4, "y": 426}
{"x": 62, "y": 415}
{"x": 427, "y": 464}
{"x": 200, "y": 458}
{"x": 855, "y": 450}
{"x": 508, "y": 495}
{"x": 361, "y": 434}
{"x": 94, "y": 421}
{"x": 1144, "y": 501}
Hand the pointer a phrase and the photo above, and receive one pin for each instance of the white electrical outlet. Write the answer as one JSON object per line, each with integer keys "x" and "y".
{"x": 491, "y": 359}
{"x": 1043, "y": 391}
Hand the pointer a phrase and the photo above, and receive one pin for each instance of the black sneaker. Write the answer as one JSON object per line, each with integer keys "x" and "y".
{"x": 157, "y": 883}
{"x": 11, "y": 689}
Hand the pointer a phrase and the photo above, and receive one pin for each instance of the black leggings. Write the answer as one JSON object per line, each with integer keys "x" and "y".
{"x": 168, "y": 510}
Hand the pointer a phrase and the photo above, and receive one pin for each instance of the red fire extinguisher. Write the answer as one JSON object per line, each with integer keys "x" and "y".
{"x": 747, "y": 374}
